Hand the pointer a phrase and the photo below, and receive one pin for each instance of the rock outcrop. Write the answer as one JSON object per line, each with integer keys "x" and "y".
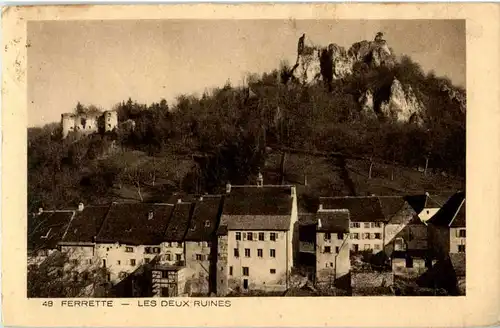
{"x": 334, "y": 62}
{"x": 403, "y": 105}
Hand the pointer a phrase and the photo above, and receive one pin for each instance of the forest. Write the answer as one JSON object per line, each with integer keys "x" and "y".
{"x": 202, "y": 142}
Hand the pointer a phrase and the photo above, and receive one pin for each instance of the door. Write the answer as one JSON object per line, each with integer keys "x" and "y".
{"x": 245, "y": 283}
{"x": 355, "y": 247}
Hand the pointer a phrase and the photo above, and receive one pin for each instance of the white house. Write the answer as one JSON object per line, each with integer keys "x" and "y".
{"x": 256, "y": 238}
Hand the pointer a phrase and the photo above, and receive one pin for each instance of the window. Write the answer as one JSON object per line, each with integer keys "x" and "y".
{"x": 246, "y": 271}
{"x": 199, "y": 257}
{"x": 328, "y": 236}
{"x": 249, "y": 236}
{"x": 89, "y": 261}
{"x": 331, "y": 264}
{"x": 327, "y": 249}
{"x": 366, "y": 247}
{"x": 355, "y": 235}
{"x": 74, "y": 262}
{"x": 366, "y": 235}
{"x": 147, "y": 260}
{"x": 261, "y": 236}
{"x": 272, "y": 271}
{"x": 409, "y": 262}
{"x": 129, "y": 249}
{"x": 156, "y": 250}
{"x": 377, "y": 236}
{"x": 340, "y": 236}
{"x": 461, "y": 233}
{"x": 272, "y": 236}
{"x": 164, "y": 275}
{"x": 230, "y": 270}
{"x": 272, "y": 252}
{"x": 168, "y": 257}
{"x": 247, "y": 252}
{"x": 103, "y": 263}
{"x": 179, "y": 245}
{"x": 119, "y": 262}
{"x": 169, "y": 244}
{"x": 238, "y": 236}
{"x": 147, "y": 250}
{"x": 259, "y": 252}
{"x": 132, "y": 262}
{"x": 376, "y": 224}
{"x": 355, "y": 247}
{"x": 337, "y": 249}
{"x": 367, "y": 225}
{"x": 355, "y": 225}
{"x": 178, "y": 257}
{"x": 236, "y": 252}
{"x": 461, "y": 248}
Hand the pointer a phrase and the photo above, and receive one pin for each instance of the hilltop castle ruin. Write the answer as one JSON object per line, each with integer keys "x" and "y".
{"x": 88, "y": 123}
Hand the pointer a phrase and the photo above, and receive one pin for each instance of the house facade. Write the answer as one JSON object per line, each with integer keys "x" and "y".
{"x": 255, "y": 239}
{"x": 332, "y": 246}
{"x": 367, "y": 221}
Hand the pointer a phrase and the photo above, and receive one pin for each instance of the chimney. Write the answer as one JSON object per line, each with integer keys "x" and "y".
{"x": 320, "y": 207}
{"x": 200, "y": 199}
{"x": 427, "y": 194}
{"x": 293, "y": 190}
{"x": 228, "y": 188}
{"x": 80, "y": 207}
{"x": 150, "y": 215}
{"x": 319, "y": 223}
{"x": 40, "y": 210}
{"x": 179, "y": 201}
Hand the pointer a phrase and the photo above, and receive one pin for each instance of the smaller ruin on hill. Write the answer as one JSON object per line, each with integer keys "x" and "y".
{"x": 88, "y": 123}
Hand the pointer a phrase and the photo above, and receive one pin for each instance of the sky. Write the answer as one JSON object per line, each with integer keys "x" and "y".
{"x": 106, "y": 62}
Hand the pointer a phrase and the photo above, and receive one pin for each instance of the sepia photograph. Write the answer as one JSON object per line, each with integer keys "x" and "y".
{"x": 236, "y": 158}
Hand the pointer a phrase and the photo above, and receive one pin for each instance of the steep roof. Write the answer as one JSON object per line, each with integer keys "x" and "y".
{"x": 333, "y": 221}
{"x": 254, "y": 222}
{"x": 205, "y": 219}
{"x": 306, "y": 219}
{"x": 253, "y": 200}
{"x": 450, "y": 211}
{"x": 135, "y": 223}
{"x": 391, "y": 205}
{"x": 179, "y": 222}
{"x": 361, "y": 209}
{"x": 459, "y": 221}
{"x": 423, "y": 201}
{"x": 85, "y": 224}
{"x": 46, "y": 229}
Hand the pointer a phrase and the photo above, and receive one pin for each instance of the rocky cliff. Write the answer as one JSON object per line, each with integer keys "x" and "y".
{"x": 327, "y": 64}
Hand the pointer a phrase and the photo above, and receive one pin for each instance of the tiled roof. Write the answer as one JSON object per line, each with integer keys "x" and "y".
{"x": 333, "y": 221}
{"x": 266, "y": 200}
{"x": 179, "y": 222}
{"x": 46, "y": 229}
{"x": 85, "y": 224}
{"x": 361, "y": 209}
{"x": 450, "y": 210}
{"x": 306, "y": 219}
{"x": 417, "y": 202}
{"x": 391, "y": 205}
{"x": 255, "y": 222}
{"x": 205, "y": 219}
{"x": 420, "y": 202}
{"x": 135, "y": 224}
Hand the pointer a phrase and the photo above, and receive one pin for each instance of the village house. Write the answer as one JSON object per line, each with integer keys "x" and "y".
{"x": 447, "y": 227}
{"x": 332, "y": 246}
{"x": 425, "y": 205}
{"x": 201, "y": 245}
{"x": 78, "y": 240}
{"x": 130, "y": 237}
{"x": 45, "y": 230}
{"x": 256, "y": 238}
{"x": 367, "y": 221}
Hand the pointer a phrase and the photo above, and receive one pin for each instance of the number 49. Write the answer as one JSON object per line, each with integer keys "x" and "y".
{"x": 47, "y": 303}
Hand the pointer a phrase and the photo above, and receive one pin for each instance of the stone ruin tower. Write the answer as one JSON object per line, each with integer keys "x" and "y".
{"x": 110, "y": 120}
{"x": 67, "y": 124}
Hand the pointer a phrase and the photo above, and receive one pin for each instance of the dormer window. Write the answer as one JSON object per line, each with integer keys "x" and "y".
{"x": 207, "y": 224}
